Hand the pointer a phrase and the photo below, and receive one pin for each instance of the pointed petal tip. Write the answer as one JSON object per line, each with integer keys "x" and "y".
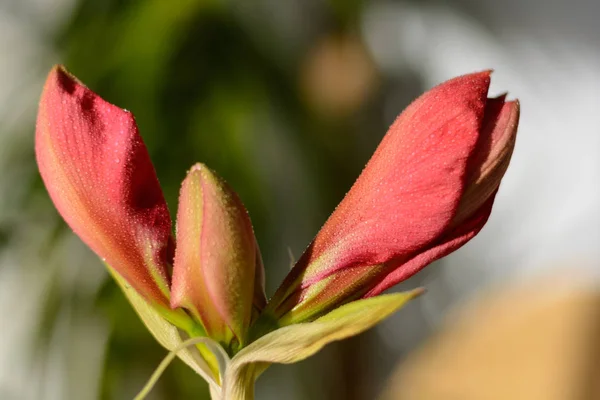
{"x": 202, "y": 171}
{"x": 501, "y": 98}
{"x": 484, "y": 76}
{"x": 197, "y": 167}
{"x": 515, "y": 112}
{"x": 468, "y": 92}
{"x": 60, "y": 78}
{"x": 61, "y": 69}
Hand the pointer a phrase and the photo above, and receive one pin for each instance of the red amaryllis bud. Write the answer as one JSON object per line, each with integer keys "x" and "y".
{"x": 99, "y": 175}
{"x": 426, "y": 191}
{"x": 218, "y": 269}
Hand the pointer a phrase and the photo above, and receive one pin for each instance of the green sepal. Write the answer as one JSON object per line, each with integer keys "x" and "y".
{"x": 166, "y": 333}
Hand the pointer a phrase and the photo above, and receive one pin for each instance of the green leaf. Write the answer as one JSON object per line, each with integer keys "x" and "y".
{"x": 165, "y": 333}
{"x": 294, "y": 343}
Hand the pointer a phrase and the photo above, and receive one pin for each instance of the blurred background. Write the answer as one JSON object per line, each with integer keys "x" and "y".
{"x": 287, "y": 100}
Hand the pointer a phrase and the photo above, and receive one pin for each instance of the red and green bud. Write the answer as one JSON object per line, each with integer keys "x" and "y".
{"x": 218, "y": 270}
{"x": 427, "y": 190}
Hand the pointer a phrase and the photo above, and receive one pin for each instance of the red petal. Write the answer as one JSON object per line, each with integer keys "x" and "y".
{"x": 100, "y": 178}
{"x": 309, "y": 302}
{"x": 409, "y": 191}
{"x": 445, "y": 245}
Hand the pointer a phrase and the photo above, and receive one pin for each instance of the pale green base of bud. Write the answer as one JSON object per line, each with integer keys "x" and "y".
{"x": 264, "y": 324}
{"x": 245, "y": 392}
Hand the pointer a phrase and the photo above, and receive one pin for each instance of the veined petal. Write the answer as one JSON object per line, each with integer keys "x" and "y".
{"x": 216, "y": 258}
{"x": 100, "y": 177}
{"x": 408, "y": 193}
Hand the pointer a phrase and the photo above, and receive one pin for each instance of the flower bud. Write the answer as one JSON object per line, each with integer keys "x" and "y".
{"x": 217, "y": 273}
{"x": 426, "y": 191}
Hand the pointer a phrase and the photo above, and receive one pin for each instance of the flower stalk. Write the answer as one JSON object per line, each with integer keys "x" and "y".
{"x": 427, "y": 190}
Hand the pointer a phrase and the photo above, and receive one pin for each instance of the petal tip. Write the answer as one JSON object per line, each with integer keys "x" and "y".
{"x": 197, "y": 167}
{"x": 485, "y": 75}
{"x": 469, "y": 89}
{"x": 515, "y": 108}
{"x": 60, "y": 78}
{"x": 202, "y": 171}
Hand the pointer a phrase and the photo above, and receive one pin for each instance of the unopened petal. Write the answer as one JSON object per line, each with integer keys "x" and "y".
{"x": 215, "y": 261}
{"x": 100, "y": 177}
{"x": 491, "y": 157}
{"x": 409, "y": 191}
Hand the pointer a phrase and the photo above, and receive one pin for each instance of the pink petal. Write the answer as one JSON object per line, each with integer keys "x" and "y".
{"x": 99, "y": 175}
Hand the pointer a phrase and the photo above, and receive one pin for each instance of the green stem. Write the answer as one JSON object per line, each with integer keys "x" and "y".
{"x": 167, "y": 360}
{"x": 240, "y": 384}
{"x": 215, "y": 394}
